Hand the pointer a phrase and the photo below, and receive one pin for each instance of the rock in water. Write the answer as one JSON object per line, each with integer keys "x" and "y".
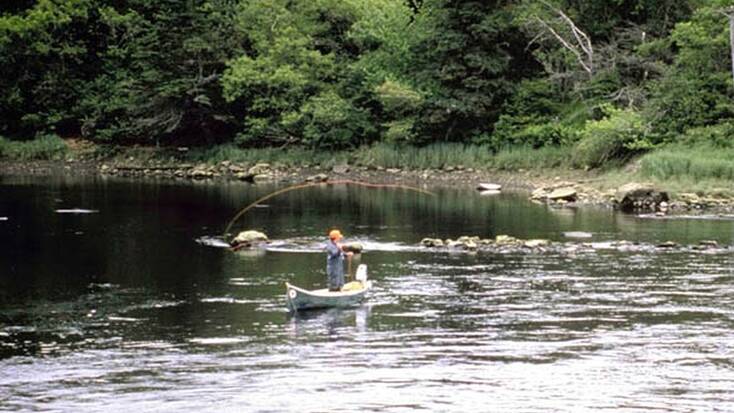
{"x": 535, "y": 243}
{"x": 563, "y": 194}
{"x": 639, "y": 196}
{"x": 355, "y": 247}
{"x": 260, "y": 169}
{"x": 489, "y": 187}
{"x": 577, "y": 234}
{"x": 246, "y": 239}
{"x": 317, "y": 178}
{"x": 340, "y": 169}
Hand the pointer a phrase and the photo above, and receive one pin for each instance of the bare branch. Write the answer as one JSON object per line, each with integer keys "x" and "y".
{"x": 567, "y": 45}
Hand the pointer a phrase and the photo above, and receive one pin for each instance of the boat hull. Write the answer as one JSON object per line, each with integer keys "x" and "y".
{"x": 299, "y": 299}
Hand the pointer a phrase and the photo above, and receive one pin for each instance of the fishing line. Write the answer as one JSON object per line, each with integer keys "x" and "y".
{"x": 310, "y": 184}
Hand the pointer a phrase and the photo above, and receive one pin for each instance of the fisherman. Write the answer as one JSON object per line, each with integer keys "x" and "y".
{"x": 335, "y": 260}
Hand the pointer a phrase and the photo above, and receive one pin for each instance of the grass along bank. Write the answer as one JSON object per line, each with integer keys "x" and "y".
{"x": 702, "y": 169}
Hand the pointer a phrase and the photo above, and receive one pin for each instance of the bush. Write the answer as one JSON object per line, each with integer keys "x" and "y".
{"x": 43, "y": 147}
{"x": 532, "y": 132}
{"x": 617, "y": 136}
{"x": 332, "y": 122}
{"x": 716, "y": 135}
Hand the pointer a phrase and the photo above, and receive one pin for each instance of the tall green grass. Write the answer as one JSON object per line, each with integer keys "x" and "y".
{"x": 444, "y": 155}
{"x": 46, "y": 147}
{"x": 289, "y": 157}
{"x": 429, "y": 157}
{"x": 437, "y": 156}
{"x": 547, "y": 157}
{"x": 689, "y": 162}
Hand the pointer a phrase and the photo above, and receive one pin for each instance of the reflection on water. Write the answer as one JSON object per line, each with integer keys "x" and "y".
{"x": 124, "y": 308}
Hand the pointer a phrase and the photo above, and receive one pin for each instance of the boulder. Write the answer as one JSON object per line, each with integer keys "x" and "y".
{"x": 245, "y": 176}
{"x": 432, "y": 242}
{"x": 466, "y": 239}
{"x": 246, "y": 239}
{"x": 539, "y": 193}
{"x": 317, "y": 178}
{"x": 506, "y": 240}
{"x": 354, "y": 247}
{"x": 470, "y": 245}
{"x": 200, "y": 173}
{"x": 340, "y": 169}
{"x": 632, "y": 196}
{"x": 535, "y": 243}
{"x": 260, "y": 169}
{"x": 262, "y": 178}
{"x": 577, "y": 234}
{"x": 563, "y": 194}
{"x": 489, "y": 187}
{"x": 667, "y": 244}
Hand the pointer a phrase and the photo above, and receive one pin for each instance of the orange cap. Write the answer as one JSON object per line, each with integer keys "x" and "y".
{"x": 335, "y": 234}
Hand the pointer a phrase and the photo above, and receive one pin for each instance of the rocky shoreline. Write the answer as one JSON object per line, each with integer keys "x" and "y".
{"x": 575, "y": 189}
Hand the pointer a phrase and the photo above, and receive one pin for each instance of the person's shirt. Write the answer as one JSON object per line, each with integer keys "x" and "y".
{"x": 333, "y": 251}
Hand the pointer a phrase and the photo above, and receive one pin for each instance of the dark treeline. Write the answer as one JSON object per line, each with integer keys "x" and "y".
{"x": 612, "y": 77}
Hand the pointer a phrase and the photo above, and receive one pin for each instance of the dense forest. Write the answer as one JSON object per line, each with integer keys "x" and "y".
{"x": 610, "y": 78}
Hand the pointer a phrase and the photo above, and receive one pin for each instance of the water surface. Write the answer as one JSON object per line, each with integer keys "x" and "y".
{"x": 113, "y": 305}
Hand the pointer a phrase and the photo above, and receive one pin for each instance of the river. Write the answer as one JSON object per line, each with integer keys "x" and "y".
{"x": 112, "y": 299}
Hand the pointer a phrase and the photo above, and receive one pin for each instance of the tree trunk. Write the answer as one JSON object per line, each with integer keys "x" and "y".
{"x": 731, "y": 41}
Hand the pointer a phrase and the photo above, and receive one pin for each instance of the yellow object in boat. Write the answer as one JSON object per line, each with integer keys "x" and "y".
{"x": 352, "y": 286}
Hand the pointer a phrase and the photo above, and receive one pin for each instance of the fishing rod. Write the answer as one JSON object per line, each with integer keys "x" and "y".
{"x": 310, "y": 184}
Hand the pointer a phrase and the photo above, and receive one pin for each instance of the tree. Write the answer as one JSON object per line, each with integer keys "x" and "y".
{"x": 295, "y": 85}
{"x": 48, "y": 53}
{"x": 696, "y": 90}
{"x": 469, "y": 62}
{"x": 160, "y": 72}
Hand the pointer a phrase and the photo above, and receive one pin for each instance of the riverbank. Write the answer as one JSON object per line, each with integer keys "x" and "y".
{"x": 541, "y": 174}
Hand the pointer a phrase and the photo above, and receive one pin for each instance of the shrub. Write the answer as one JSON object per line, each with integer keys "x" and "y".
{"x": 617, "y": 136}
{"x": 717, "y": 135}
{"x": 43, "y": 147}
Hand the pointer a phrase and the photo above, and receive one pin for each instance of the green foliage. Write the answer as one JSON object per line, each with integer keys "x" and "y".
{"x": 697, "y": 89}
{"x": 160, "y": 71}
{"x": 43, "y": 147}
{"x": 288, "y": 81}
{"x": 332, "y": 122}
{"x": 719, "y": 135}
{"x": 617, "y": 136}
{"x": 470, "y": 60}
{"x": 531, "y": 119}
{"x": 47, "y": 53}
{"x": 339, "y": 74}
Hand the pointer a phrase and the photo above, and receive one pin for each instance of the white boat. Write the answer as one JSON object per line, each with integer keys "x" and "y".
{"x": 299, "y": 299}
